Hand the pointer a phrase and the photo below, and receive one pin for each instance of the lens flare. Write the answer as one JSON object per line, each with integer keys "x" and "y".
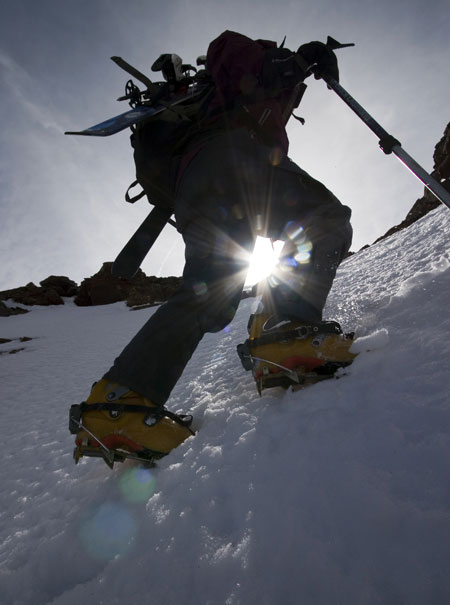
{"x": 303, "y": 254}
{"x": 287, "y": 263}
{"x": 200, "y": 288}
{"x": 276, "y": 156}
{"x": 273, "y": 281}
{"x": 294, "y": 231}
{"x": 108, "y": 531}
{"x": 137, "y": 484}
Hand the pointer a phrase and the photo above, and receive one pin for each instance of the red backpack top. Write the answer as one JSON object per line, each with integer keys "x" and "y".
{"x": 244, "y": 77}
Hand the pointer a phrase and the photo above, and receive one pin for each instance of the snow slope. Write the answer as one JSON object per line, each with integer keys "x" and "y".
{"x": 336, "y": 494}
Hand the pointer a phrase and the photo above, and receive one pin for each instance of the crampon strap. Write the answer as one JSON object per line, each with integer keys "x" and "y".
{"x": 300, "y": 332}
{"x": 157, "y": 412}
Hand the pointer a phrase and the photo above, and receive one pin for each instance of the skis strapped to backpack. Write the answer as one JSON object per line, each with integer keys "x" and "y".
{"x": 155, "y": 99}
{"x": 162, "y": 118}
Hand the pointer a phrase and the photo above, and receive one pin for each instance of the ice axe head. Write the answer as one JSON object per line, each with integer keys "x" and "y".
{"x": 335, "y": 45}
{"x": 319, "y": 58}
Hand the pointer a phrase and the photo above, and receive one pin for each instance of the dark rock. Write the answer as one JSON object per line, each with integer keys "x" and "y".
{"x": 12, "y": 351}
{"x": 428, "y": 202}
{"x": 420, "y": 209}
{"x": 7, "y": 311}
{"x": 103, "y": 288}
{"x": 33, "y": 295}
{"x": 146, "y": 306}
{"x": 62, "y": 284}
{"x": 441, "y": 159}
{"x": 49, "y": 292}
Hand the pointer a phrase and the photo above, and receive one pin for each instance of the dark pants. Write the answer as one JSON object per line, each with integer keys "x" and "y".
{"x": 234, "y": 190}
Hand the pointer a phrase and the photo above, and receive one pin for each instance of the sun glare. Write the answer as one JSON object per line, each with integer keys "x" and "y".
{"x": 263, "y": 260}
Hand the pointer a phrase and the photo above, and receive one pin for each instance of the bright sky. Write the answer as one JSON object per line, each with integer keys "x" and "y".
{"x": 61, "y": 205}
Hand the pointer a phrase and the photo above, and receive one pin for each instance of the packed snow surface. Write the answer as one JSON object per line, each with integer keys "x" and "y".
{"x": 336, "y": 494}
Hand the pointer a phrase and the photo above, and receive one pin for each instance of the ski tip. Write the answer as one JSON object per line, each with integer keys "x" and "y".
{"x": 93, "y": 132}
{"x": 81, "y": 132}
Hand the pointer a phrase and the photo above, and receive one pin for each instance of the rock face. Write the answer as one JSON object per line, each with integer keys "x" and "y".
{"x": 63, "y": 285}
{"x": 103, "y": 288}
{"x": 33, "y": 295}
{"x": 100, "y": 289}
{"x": 441, "y": 158}
{"x": 441, "y": 172}
{"x": 49, "y": 292}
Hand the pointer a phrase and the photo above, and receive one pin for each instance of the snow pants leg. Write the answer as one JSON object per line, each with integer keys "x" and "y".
{"x": 317, "y": 233}
{"x": 218, "y": 247}
{"x": 230, "y": 193}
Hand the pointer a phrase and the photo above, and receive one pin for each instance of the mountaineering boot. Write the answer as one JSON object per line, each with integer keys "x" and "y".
{"x": 117, "y": 423}
{"x": 285, "y": 352}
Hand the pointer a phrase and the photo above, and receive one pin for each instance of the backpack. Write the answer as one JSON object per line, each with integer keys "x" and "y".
{"x": 159, "y": 144}
{"x": 254, "y": 82}
{"x": 258, "y": 83}
{"x": 246, "y": 83}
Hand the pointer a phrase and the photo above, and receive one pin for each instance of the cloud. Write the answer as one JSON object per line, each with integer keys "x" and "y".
{"x": 25, "y": 90}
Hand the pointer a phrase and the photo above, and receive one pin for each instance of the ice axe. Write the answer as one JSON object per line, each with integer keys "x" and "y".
{"x": 387, "y": 142}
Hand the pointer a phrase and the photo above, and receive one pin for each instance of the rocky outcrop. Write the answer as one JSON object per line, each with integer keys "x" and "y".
{"x": 103, "y": 289}
{"x": 7, "y": 311}
{"x": 33, "y": 295}
{"x": 62, "y": 284}
{"x": 49, "y": 292}
{"x": 100, "y": 289}
{"x": 428, "y": 202}
{"x": 441, "y": 158}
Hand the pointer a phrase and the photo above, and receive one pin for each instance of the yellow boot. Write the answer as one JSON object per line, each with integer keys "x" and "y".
{"x": 290, "y": 353}
{"x": 117, "y": 423}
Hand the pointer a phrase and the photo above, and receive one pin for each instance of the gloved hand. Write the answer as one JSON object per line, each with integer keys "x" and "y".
{"x": 323, "y": 57}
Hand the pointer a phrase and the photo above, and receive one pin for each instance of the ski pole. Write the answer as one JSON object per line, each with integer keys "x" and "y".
{"x": 388, "y": 143}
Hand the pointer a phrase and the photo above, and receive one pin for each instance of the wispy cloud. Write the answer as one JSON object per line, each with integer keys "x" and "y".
{"x": 25, "y": 90}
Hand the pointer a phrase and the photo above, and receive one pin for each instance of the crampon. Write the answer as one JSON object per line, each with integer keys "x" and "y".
{"x": 292, "y": 354}
{"x": 117, "y": 424}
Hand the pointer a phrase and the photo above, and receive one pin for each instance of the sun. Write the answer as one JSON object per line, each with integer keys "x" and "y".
{"x": 263, "y": 260}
